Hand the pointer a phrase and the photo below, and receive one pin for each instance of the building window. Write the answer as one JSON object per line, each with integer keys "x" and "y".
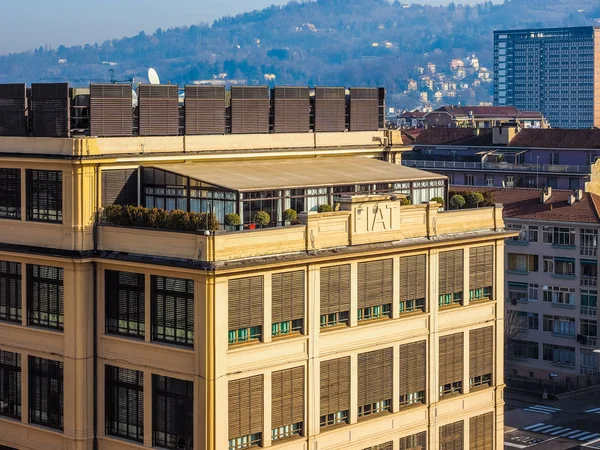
{"x": 563, "y": 326}
{"x": 245, "y": 298}
{"x": 252, "y": 440}
{"x": 589, "y": 242}
{"x": 335, "y": 295}
{"x": 286, "y": 431}
{"x": 340, "y": 417}
{"x": 413, "y": 373}
{"x": 527, "y": 233}
{"x": 125, "y": 303}
{"x": 10, "y": 291}
{"x": 451, "y": 364}
{"x": 44, "y": 195}
{"x": 480, "y": 294}
{"x": 450, "y": 284}
{"x": 173, "y": 310}
{"x": 523, "y": 349}
{"x": 10, "y": 384}
{"x": 45, "y": 294}
{"x": 559, "y": 236}
{"x": 374, "y": 408}
{"x": 407, "y": 306}
{"x": 589, "y": 362}
{"x": 46, "y": 392}
{"x": 451, "y": 388}
{"x": 527, "y": 320}
{"x": 564, "y": 267}
{"x": 559, "y": 354}
{"x": 374, "y": 312}
{"x": 589, "y": 332}
{"x": 246, "y": 399}
{"x": 124, "y": 408}
{"x": 450, "y": 299}
{"x": 559, "y": 295}
{"x": 588, "y": 302}
{"x": 375, "y": 382}
{"x": 287, "y": 303}
{"x": 335, "y": 392}
{"x": 287, "y": 403}
{"x": 522, "y": 262}
{"x": 413, "y": 281}
{"x": 469, "y": 179}
{"x": 10, "y": 193}
{"x": 548, "y": 264}
{"x": 172, "y": 413}
{"x": 481, "y": 357}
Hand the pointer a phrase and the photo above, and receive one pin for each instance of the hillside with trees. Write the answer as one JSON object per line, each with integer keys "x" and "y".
{"x": 332, "y": 42}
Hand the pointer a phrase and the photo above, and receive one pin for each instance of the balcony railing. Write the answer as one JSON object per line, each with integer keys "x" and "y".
{"x": 588, "y": 311}
{"x": 465, "y": 165}
{"x": 588, "y": 251}
{"x": 587, "y": 280}
{"x": 591, "y": 341}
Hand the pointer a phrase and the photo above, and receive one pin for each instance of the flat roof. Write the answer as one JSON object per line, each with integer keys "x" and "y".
{"x": 297, "y": 173}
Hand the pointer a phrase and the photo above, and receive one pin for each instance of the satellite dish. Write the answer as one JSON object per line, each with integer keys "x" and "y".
{"x": 134, "y": 99}
{"x": 153, "y": 76}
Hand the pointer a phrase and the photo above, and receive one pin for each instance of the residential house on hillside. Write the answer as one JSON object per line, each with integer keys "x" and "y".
{"x": 482, "y": 116}
{"x": 506, "y": 156}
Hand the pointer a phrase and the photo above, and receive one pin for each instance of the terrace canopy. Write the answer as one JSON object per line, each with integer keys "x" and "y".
{"x": 245, "y": 187}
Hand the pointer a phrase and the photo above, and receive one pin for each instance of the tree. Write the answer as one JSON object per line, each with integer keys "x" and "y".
{"x": 474, "y": 199}
{"x": 458, "y": 201}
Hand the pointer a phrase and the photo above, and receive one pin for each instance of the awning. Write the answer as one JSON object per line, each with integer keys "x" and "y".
{"x": 515, "y": 285}
{"x": 297, "y": 173}
{"x": 561, "y": 259}
{"x": 588, "y": 261}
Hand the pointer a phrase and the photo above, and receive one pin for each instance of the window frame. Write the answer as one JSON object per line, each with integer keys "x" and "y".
{"x": 51, "y": 191}
{"x": 10, "y": 384}
{"x": 11, "y": 274}
{"x": 35, "y": 285}
{"x": 10, "y": 197}
{"x": 134, "y": 296}
{"x": 369, "y": 313}
{"x": 184, "y": 406}
{"x": 339, "y": 318}
{"x": 177, "y": 297}
{"x": 38, "y": 373}
{"x": 118, "y": 381}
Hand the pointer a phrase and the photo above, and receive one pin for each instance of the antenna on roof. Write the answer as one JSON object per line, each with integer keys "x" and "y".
{"x": 153, "y": 76}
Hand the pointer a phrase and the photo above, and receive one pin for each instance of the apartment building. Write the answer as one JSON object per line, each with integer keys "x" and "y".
{"x": 551, "y": 284}
{"x": 553, "y": 70}
{"x": 506, "y": 156}
{"x": 374, "y": 326}
{"x": 483, "y": 117}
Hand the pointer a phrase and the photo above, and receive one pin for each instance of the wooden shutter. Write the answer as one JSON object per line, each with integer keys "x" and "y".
{"x": 335, "y": 289}
{"x": 375, "y": 284}
{"x": 245, "y": 406}
{"x": 481, "y": 432}
{"x": 288, "y": 296}
{"x": 287, "y": 397}
{"x": 481, "y": 267}
{"x": 416, "y": 441}
{"x": 413, "y": 367}
{"x": 452, "y": 436}
{"x": 335, "y": 385}
{"x": 413, "y": 278}
{"x": 245, "y": 302}
{"x": 451, "y": 358}
{"x": 375, "y": 376}
{"x": 451, "y": 272}
{"x": 385, "y": 446}
{"x": 481, "y": 348}
{"x": 119, "y": 187}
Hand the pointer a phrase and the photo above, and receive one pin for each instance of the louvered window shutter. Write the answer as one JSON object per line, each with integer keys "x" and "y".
{"x": 451, "y": 272}
{"x": 413, "y": 272}
{"x": 288, "y": 296}
{"x": 481, "y": 267}
{"x": 375, "y": 376}
{"x": 451, "y": 358}
{"x": 287, "y": 397}
{"x": 413, "y": 367}
{"x": 414, "y": 441}
{"x": 375, "y": 283}
{"x": 481, "y": 347}
{"x": 245, "y": 406}
{"x": 335, "y": 385}
{"x": 451, "y": 436}
{"x": 481, "y": 432}
{"x": 245, "y": 302}
{"x": 335, "y": 289}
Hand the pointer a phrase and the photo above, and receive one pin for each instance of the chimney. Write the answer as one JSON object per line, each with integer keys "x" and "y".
{"x": 504, "y": 133}
{"x": 571, "y": 199}
{"x": 545, "y": 194}
{"x": 578, "y": 194}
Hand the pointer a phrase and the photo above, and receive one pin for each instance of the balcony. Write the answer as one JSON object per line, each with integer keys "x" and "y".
{"x": 588, "y": 311}
{"x": 503, "y": 167}
{"x": 316, "y": 231}
{"x": 587, "y": 280}
{"x": 588, "y": 251}
{"x": 589, "y": 341}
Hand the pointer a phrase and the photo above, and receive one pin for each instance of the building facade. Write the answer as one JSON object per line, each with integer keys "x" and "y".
{"x": 374, "y": 326}
{"x": 555, "y": 71}
{"x": 507, "y": 156}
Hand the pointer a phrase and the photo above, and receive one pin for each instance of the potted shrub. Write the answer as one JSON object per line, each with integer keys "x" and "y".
{"x": 475, "y": 198}
{"x": 324, "y": 208}
{"x": 262, "y": 218}
{"x": 458, "y": 201}
{"x": 290, "y": 216}
{"x": 439, "y": 200}
{"x": 233, "y": 221}
{"x": 405, "y": 201}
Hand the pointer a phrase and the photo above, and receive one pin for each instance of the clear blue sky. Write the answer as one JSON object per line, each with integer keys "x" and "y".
{"x": 28, "y": 24}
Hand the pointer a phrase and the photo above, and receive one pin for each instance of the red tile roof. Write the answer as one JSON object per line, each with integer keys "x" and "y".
{"x": 556, "y": 138}
{"x": 413, "y": 114}
{"x": 455, "y": 136}
{"x": 525, "y": 204}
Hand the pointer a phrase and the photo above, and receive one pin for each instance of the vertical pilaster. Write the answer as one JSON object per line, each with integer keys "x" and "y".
{"x": 353, "y": 293}
{"x": 24, "y": 387}
{"x": 433, "y": 350}
{"x": 313, "y": 315}
{"x": 396, "y": 379}
{"x": 396, "y": 288}
{"x": 466, "y": 296}
{"x": 217, "y": 417}
{"x": 267, "y": 307}
{"x": 203, "y": 325}
{"x": 466, "y": 355}
{"x": 24, "y": 290}
{"x": 148, "y": 307}
{"x": 498, "y": 375}
{"x": 23, "y": 194}
{"x": 267, "y": 410}
{"x": 353, "y": 388}
{"x": 148, "y": 408}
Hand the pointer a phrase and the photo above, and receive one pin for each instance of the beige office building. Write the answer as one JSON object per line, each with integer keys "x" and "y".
{"x": 378, "y": 325}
